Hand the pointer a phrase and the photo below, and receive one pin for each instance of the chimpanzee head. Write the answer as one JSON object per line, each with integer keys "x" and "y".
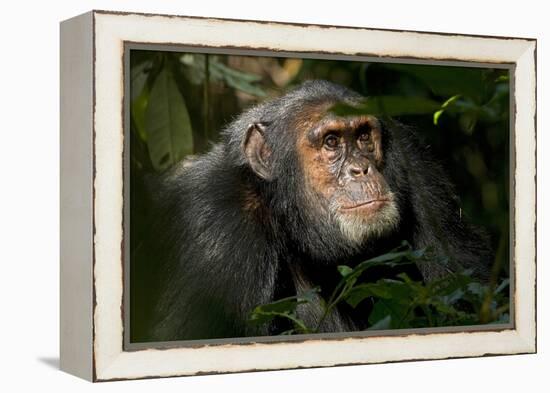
{"x": 322, "y": 173}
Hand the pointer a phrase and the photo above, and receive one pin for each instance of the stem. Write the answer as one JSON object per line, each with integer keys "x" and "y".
{"x": 405, "y": 316}
{"x": 426, "y": 309}
{"x": 339, "y": 292}
{"x": 298, "y": 323}
{"x": 206, "y": 97}
{"x": 485, "y": 310}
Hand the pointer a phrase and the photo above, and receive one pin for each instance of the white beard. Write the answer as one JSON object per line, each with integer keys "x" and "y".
{"x": 358, "y": 229}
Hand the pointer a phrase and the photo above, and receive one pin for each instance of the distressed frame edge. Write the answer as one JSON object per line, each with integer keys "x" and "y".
{"x": 76, "y": 196}
{"x": 525, "y": 98}
{"x": 527, "y": 340}
{"x": 303, "y": 24}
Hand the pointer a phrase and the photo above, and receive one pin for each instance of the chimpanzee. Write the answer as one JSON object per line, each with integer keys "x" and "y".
{"x": 290, "y": 192}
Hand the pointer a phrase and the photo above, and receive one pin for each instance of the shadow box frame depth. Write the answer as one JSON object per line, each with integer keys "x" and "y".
{"x": 94, "y": 286}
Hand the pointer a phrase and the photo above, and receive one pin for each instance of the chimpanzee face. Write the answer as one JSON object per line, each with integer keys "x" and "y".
{"x": 341, "y": 159}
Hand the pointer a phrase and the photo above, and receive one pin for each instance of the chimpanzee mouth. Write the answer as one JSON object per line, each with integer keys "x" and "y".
{"x": 372, "y": 205}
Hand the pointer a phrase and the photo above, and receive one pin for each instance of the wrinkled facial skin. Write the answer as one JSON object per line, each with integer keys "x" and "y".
{"x": 341, "y": 160}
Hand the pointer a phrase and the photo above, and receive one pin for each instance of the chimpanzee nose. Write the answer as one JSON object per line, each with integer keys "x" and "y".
{"x": 357, "y": 170}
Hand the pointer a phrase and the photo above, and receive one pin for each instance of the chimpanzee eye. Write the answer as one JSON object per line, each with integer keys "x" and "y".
{"x": 331, "y": 141}
{"x": 363, "y": 137}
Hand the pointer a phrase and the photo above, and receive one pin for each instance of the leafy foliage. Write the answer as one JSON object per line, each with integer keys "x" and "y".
{"x": 284, "y": 308}
{"x": 454, "y": 300}
{"x": 160, "y": 116}
{"x": 389, "y": 106}
{"x": 217, "y": 71}
{"x": 167, "y": 124}
{"x": 473, "y": 94}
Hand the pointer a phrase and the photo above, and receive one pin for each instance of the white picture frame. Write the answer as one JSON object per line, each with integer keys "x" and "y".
{"x": 92, "y": 195}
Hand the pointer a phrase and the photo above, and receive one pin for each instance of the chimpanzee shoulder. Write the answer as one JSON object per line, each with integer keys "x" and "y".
{"x": 431, "y": 206}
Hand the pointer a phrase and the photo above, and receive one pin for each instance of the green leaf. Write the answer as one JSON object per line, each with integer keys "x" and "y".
{"x": 468, "y": 121}
{"x": 382, "y": 289}
{"x": 260, "y": 318}
{"x": 502, "y": 285}
{"x": 245, "y": 86}
{"x": 391, "y": 259}
{"x": 437, "y": 115}
{"x": 231, "y": 72}
{"x": 285, "y": 307}
{"x": 382, "y": 324}
{"x": 237, "y": 79}
{"x": 463, "y": 80}
{"x": 138, "y": 78}
{"x": 476, "y": 289}
{"x": 388, "y": 106}
{"x": 452, "y": 297}
{"x": 450, "y": 283}
{"x": 503, "y": 78}
{"x": 308, "y": 296}
{"x": 445, "y": 105}
{"x": 138, "y": 109}
{"x": 398, "y": 313}
{"x": 359, "y": 293}
{"x": 193, "y": 68}
{"x": 344, "y": 270}
{"x": 167, "y": 123}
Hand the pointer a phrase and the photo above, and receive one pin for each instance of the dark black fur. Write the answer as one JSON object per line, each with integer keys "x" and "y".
{"x": 219, "y": 260}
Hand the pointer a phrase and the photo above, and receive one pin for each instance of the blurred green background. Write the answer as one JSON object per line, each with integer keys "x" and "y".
{"x": 179, "y": 102}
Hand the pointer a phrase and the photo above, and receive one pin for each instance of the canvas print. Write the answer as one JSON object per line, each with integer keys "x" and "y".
{"x": 283, "y": 196}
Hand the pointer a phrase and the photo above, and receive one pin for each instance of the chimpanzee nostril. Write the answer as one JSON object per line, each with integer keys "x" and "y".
{"x": 358, "y": 170}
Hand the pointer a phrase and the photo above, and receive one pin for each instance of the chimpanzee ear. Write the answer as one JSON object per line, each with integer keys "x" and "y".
{"x": 256, "y": 151}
